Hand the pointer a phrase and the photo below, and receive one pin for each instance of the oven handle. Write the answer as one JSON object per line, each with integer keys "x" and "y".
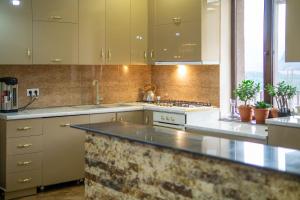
{"x": 173, "y": 126}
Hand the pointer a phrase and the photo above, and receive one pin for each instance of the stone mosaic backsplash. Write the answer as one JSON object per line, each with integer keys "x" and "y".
{"x": 72, "y": 85}
{"x": 119, "y": 169}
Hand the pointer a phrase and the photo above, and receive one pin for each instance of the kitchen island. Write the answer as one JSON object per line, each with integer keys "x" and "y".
{"x": 129, "y": 161}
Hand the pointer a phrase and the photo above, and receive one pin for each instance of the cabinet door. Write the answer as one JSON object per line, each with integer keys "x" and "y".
{"x": 136, "y": 117}
{"x": 139, "y": 31}
{"x": 292, "y": 31}
{"x": 55, "y": 10}
{"x": 148, "y": 117}
{"x": 63, "y": 150}
{"x": 189, "y": 42}
{"x": 15, "y": 32}
{"x": 55, "y": 43}
{"x": 167, "y": 40}
{"x": 118, "y": 31}
{"x": 166, "y": 11}
{"x": 100, "y": 118}
{"x": 91, "y": 32}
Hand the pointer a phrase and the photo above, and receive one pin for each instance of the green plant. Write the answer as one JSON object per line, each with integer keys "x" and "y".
{"x": 282, "y": 92}
{"x": 262, "y": 105}
{"x": 247, "y": 90}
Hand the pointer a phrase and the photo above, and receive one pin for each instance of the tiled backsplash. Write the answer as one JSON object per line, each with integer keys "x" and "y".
{"x": 192, "y": 83}
{"x": 72, "y": 85}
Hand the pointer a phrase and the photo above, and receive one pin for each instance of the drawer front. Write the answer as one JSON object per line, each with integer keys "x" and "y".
{"x": 26, "y": 162}
{"x": 21, "y": 128}
{"x": 24, "y": 145}
{"x": 23, "y": 180}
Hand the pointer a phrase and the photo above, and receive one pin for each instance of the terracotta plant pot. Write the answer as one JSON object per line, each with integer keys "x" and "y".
{"x": 261, "y": 115}
{"x": 246, "y": 113}
{"x": 274, "y": 113}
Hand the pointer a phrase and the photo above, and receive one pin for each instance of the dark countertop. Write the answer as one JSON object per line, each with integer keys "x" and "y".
{"x": 257, "y": 155}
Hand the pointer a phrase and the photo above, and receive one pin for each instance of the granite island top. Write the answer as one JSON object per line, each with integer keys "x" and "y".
{"x": 246, "y": 153}
{"x": 292, "y": 121}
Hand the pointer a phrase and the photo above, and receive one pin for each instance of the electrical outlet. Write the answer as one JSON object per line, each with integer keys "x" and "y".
{"x": 34, "y": 92}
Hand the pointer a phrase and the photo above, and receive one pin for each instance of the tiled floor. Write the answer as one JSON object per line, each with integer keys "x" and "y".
{"x": 59, "y": 193}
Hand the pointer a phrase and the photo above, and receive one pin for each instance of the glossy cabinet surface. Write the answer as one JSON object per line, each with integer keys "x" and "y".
{"x": 105, "y": 117}
{"x": 139, "y": 31}
{"x": 292, "y": 31}
{"x": 177, "y": 30}
{"x": 15, "y": 32}
{"x": 63, "y": 159}
{"x": 118, "y": 31}
{"x": 91, "y": 32}
{"x": 55, "y": 43}
{"x": 55, "y": 10}
{"x": 136, "y": 117}
{"x": 168, "y": 11}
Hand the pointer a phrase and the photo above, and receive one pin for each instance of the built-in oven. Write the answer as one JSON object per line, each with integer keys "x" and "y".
{"x": 169, "y": 120}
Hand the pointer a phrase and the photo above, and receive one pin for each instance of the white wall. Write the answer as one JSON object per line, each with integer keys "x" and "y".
{"x": 225, "y": 66}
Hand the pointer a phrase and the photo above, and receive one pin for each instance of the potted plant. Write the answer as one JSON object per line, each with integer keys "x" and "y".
{"x": 282, "y": 93}
{"x": 246, "y": 91}
{"x": 261, "y": 112}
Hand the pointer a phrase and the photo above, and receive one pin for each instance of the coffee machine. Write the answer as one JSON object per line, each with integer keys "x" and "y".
{"x": 9, "y": 94}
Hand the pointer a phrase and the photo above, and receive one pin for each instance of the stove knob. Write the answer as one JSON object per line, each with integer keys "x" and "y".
{"x": 172, "y": 119}
{"x": 162, "y": 118}
{"x": 167, "y": 118}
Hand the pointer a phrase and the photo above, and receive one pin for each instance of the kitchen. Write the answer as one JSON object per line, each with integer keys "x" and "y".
{"x": 133, "y": 99}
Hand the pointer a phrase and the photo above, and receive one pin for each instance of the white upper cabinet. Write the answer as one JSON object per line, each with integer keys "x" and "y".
{"x": 55, "y": 43}
{"x": 91, "y": 32}
{"x": 292, "y": 31}
{"x": 15, "y": 32}
{"x": 139, "y": 31}
{"x": 55, "y": 10}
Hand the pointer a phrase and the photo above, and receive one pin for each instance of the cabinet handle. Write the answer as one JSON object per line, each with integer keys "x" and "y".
{"x": 56, "y": 60}
{"x": 145, "y": 55}
{"x": 28, "y": 52}
{"x": 121, "y": 119}
{"x": 55, "y": 17}
{"x": 25, "y": 163}
{"x": 25, "y": 180}
{"x": 113, "y": 119}
{"x": 25, "y": 128}
{"x": 23, "y": 146}
{"x": 65, "y": 125}
{"x": 147, "y": 120}
{"x": 102, "y": 53}
{"x": 177, "y": 20}
{"x": 109, "y": 54}
{"x": 152, "y": 54}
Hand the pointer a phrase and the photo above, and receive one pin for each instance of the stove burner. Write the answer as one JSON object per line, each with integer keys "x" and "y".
{"x": 179, "y": 103}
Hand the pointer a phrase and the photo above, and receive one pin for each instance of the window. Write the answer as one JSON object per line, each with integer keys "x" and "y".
{"x": 283, "y": 71}
{"x": 253, "y": 37}
{"x": 260, "y": 26}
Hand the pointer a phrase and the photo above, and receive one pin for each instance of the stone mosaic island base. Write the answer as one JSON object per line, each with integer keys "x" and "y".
{"x": 119, "y": 169}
